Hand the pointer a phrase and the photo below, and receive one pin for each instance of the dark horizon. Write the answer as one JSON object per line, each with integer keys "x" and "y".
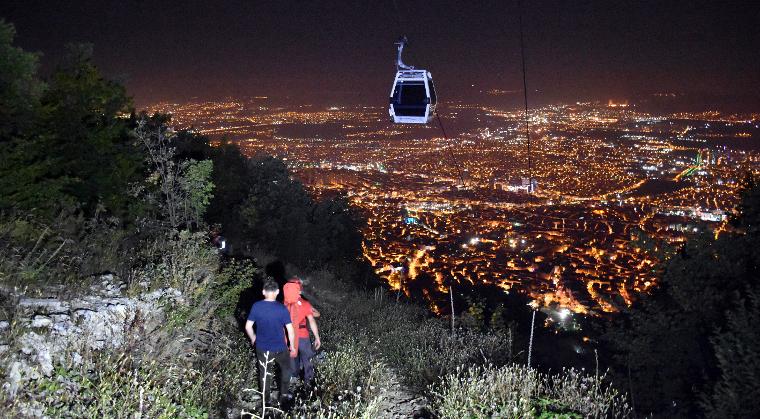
{"x": 330, "y": 53}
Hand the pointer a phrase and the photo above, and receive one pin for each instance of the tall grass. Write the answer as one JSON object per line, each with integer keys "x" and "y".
{"x": 466, "y": 373}
{"x": 420, "y": 348}
{"x": 349, "y": 383}
{"x": 112, "y": 385}
{"x": 515, "y": 391}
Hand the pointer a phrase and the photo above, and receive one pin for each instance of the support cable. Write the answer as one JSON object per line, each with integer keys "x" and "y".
{"x": 525, "y": 98}
{"x": 399, "y": 22}
{"x": 453, "y": 156}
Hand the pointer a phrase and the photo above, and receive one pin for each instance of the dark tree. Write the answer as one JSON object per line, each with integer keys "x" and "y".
{"x": 65, "y": 145}
{"x": 20, "y": 88}
{"x": 737, "y": 349}
{"x": 665, "y": 345}
{"x": 259, "y": 203}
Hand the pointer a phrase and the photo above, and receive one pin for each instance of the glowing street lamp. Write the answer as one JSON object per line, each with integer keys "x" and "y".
{"x": 564, "y": 314}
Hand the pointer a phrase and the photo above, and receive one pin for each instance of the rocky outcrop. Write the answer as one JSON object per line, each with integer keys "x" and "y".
{"x": 51, "y": 328}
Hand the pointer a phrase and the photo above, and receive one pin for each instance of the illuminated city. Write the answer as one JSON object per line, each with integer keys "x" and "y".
{"x": 612, "y": 188}
{"x": 380, "y": 209}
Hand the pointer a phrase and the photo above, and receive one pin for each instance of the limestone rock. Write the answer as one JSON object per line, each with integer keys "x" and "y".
{"x": 51, "y": 329}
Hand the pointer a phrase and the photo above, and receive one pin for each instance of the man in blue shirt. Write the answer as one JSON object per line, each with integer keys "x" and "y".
{"x": 271, "y": 319}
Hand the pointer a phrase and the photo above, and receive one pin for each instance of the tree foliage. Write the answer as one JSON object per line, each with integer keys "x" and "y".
{"x": 277, "y": 210}
{"x": 737, "y": 350}
{"x": 666, "y": 345}
{"x": 198, "y": 187}
{"x": 259, "y": 203}
{"x": 20, "y": 89}
{"x": 64, "y": 144}
{"x": 181, "y": 189}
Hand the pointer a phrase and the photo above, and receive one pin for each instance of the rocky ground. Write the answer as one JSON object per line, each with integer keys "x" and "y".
{"x": 60, "y": 326}
{"x": 397, "y": 400}
{"x": 55, "y": 326}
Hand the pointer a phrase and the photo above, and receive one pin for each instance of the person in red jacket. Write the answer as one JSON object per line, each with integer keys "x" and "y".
{"x": 301, "y": 314}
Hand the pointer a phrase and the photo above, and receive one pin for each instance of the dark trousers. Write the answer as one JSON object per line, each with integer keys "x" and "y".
{"x": 303, "y": 360}
{"x": 266, "y": 360}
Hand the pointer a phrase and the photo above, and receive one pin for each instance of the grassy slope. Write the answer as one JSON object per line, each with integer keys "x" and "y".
{"x": 405, "y": 362}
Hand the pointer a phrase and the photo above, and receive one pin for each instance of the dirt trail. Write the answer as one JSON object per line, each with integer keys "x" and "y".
{"x": 398, "y": 401}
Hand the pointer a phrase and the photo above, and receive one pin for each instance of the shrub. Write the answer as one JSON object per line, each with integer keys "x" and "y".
{"x": 113, "y": 386}
{"x": 229, "y": 284}
{"x": 348, "y": 384}
{"x": 519, "y": 391}
{"x": 180, "y": 259}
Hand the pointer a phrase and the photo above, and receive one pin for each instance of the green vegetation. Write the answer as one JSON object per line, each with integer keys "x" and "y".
{"x": 517, "y": 391}
{"x": 180, "y": 189}
{"x": 180, "y": 260}
{"x": 110, "y": 386}
{"x": 260, "y": 207}
{"x": 468, "y": 373}
{"x": 64, "y": 249}
{"x": 693, "y": 339}
{"x": 64, "y": 142}
{"x": 89, "y": 187}
{"x": 349, "y": 385}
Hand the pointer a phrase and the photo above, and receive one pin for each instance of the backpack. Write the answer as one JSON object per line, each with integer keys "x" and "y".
{"x": 292, "y": 299}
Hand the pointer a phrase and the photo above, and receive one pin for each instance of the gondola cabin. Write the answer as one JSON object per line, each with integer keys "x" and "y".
{"x": 413, "y": 97}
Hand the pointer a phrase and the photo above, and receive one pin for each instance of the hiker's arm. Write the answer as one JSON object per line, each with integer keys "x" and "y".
{"x": 315, "y": 330}
{"x": 291, "y": 339}
{"x": 249, "y": 331}
{"x": 316, "y": 313}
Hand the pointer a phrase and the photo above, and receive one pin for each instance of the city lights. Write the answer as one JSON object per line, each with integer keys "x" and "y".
{"x": 610, "y": 186}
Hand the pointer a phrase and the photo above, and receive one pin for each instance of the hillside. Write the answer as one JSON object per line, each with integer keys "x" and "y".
{"x": 118, "y": 299}
{"x": 156, "y": 351}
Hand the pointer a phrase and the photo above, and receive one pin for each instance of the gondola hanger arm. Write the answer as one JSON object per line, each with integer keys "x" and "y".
{"x": 400, "y": 45}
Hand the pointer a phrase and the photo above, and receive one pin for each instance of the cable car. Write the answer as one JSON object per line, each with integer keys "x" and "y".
{"x": 413, "y": 96}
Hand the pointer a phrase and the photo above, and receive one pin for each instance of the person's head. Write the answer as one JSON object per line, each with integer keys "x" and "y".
{"x": 271, "y": 289}
{"x": 292, "y": 290}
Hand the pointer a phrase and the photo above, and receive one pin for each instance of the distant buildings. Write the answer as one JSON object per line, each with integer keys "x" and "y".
{"x": 715, "y": 215}
{"x": 434, "y": 205}
{"x": 710, "y": 215}
{"x": 619, "y": 104}
{"x": 523, "y": 186}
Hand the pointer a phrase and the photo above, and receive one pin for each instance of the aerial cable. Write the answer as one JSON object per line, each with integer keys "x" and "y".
{"x": 525, "y": 96}
{"x": 457, "y": 165}
{"x": 453, "y": 156}
{"x": 399, "y": 22}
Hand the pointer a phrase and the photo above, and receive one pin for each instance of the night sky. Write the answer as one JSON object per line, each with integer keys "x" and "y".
{"x": 326, "y": 52}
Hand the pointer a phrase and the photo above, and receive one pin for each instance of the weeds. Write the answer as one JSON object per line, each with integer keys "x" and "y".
{"x": 27, "y": 249}
{"x": 519, "y": 391}
{"x": 178, "y": 259}
{"x": 63, "y": 250}
{"x": 268, "y": 367}
{"x": 348, "y": 384}
{"x": 112, "y": 385}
